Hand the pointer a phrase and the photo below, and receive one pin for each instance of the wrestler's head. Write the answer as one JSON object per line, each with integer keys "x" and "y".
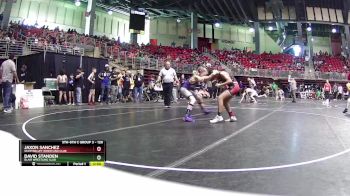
{"x": 202, "y": 71}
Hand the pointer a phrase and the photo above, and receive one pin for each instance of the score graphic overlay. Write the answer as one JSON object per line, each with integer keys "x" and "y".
{"x": 62, "y": 153}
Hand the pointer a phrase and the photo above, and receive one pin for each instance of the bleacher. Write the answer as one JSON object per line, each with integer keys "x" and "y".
{"x": 21, "y": 39}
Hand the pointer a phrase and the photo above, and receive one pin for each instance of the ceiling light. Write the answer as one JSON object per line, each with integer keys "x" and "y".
{"x": 77, "y": 3}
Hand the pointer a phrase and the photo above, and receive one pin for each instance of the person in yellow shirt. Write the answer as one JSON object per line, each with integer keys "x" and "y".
{"x": 120, "y": 85}
{"x": 132, "y": 85}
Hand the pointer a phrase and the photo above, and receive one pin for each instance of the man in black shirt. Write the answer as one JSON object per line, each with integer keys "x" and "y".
{"x": 79, "y": 83}
{"x": 105, "y": 78}
{"x": 23, "y": 74}
{"x": 138, "y": 88}
{"x": 126, "y": 85}
{"x": 114, "y": 85}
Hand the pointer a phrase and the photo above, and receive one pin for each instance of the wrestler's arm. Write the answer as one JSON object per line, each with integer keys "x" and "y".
{"x": 204, "y": 78}
{"x": 227, "y": 79}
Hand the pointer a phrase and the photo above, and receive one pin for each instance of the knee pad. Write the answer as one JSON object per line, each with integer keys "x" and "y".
{"x": 186, "y": 93}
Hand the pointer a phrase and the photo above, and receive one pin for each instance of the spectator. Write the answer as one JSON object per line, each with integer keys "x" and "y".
{"x": 71, "y": 89}
{"x": 1, "y": 84}
{"x": 210, "y": 88}
{"x": 131, "y": 89}
{"x": 126, "y": 85}
{"x": 293, "y": 87}
{"x": 78, "y": 84}
{"x": 241, "y": 86}
{"x": 327, "y": 88}
{"x": 138, "y": 88}
{"x": 120, "y": 85}
{"x": 335, "y": 91}
{"x": 274, "y": 88}
{"x": 340, "y": 92}
{"x": 92, "y": 80}
{"x": 151, "y": 83}
{"x": 8, "y": 74}
{"x": 23, "y": 74}
{"x": 105, "y": 78}
{"x": 114, "y": 85}
{"x": 168, "y": 76}
{"x": 214, "y": 90}
{"x": 62, "y": 87}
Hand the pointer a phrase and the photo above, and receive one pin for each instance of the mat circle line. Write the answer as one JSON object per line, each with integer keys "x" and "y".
{"x": 208, "y": 170}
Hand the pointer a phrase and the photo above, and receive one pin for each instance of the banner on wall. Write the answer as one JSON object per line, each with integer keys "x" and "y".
{"x": 336, "y": 43}
{"x": 153, "y": 42}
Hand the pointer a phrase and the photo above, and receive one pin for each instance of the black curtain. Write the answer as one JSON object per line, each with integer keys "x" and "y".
{"x": 49, "y": 65}
{"x": 69, "y": 63}
{"x": 37, "y": 70}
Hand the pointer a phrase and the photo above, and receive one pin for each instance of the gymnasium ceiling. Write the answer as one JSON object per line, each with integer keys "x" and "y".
{"x": 231, "y": 11}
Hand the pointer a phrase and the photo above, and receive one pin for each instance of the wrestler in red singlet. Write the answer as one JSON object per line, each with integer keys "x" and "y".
{"x": 232, "y": 88}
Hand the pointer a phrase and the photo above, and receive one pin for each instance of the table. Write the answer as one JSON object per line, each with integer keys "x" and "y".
{"x": 34, "y": 96}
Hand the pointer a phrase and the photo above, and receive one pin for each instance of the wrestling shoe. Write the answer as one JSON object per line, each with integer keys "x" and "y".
{"x": 231, "y": 119}
{"x": 188, "y": 118}
{"x": 217, "y": 119}
{"x": 345, "y": 110}
{"x": 206, "y": 111}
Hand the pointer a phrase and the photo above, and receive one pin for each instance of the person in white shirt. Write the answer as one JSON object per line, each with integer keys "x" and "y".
{"x": 280, "y": 95}
{"x": 92, "y": 82}
{"x": 8, "y": 74}
{"x": 168, "y": 76}
{"x": 251, "y": 93}
{"x": 252, "y": 83}
{"x": 293, "y": 87}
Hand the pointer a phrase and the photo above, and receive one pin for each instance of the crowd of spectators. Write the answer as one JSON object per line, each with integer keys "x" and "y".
{"x": 57, "y": 39}
{"x": 244, "y": 59}
{"x": 324, "y": 62}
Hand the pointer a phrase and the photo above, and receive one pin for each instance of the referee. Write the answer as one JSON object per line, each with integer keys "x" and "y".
{"x": 168, "y": 76}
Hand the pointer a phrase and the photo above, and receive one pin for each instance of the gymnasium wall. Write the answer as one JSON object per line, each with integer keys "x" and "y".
{"x": 322, "y": 44}
{"x": 67, "y": 16}
{"x": 168, "y": 31}
{"x": 234, "y": 36}
{"x": 239, "y": 37}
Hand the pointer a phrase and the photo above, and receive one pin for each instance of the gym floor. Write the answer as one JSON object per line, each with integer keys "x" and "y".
{"x": 275, "y": 147}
